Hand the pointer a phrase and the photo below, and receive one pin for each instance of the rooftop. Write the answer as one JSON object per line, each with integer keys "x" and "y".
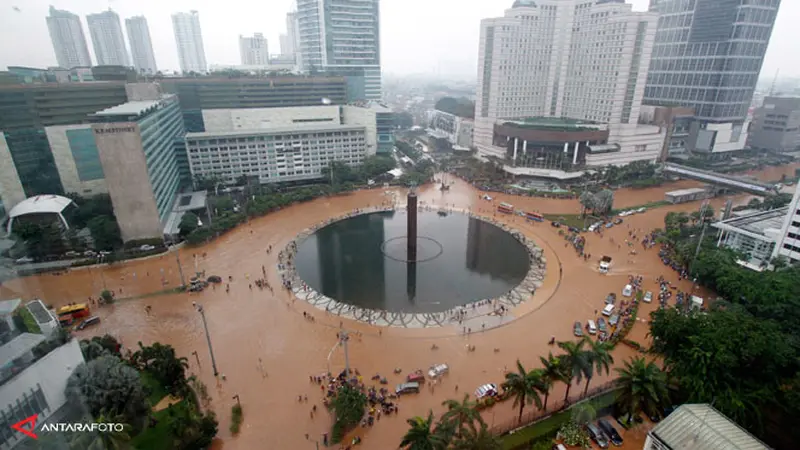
{"x": 682, "y": 192}
{"x": 760, "y": 223}
{"x": 128, "y": 109}
{"x": 701, "y": 427}
{"x": 311, "y": 128}
{"x": 40, "y": 204}
{"x": 19, "y": 346}
{"x": 553, "y": 121}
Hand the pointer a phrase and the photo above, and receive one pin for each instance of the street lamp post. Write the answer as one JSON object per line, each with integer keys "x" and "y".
{"x": 180, "y": 268}
{"x": 197, "y": 357}
{"x": 202, "y": 312}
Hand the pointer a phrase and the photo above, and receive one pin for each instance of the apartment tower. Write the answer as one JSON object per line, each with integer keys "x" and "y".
{"x": 254, "y": 50}
{"x": 69, "y": 42}
{"x": 342, "y": 37}
{"x": 109, "y": 45}
{"x": 189, "y": 39}
{"x": 144, "y": 60}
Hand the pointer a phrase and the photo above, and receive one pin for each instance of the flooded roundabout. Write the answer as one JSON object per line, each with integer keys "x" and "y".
{"x": 268, "y": 342}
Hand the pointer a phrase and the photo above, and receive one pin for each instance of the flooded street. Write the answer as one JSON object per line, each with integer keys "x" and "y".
{"x": 248, "y": 325}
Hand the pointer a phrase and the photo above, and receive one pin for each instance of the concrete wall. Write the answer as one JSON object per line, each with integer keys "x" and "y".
{"x": 125, "y": 168}
{"x": 354, "y": 115}
{"x": 65, "y": 162}
{"x": 265, "y": 118}
{"x": 50, "y": 372}
{"x": 143, "y": 91}
{"x": 11, "y": 191}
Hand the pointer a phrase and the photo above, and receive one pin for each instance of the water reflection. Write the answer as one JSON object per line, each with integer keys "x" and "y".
{"x": 476, "y": 260}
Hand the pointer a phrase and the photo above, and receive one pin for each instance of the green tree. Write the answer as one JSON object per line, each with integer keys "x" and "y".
{"x": 105, "y": 232}
{"x": 107, "y": 385}
{"x": 575, "y": 363}
{"x": 189, "y": 223}
{"x": 643, "y": 387}
{"x": 421, "y": 435}
{"x": 160, "y": 361}
{"x": 348, "y": 406}
{"x": 462, "y": 414}
{"x": 522, "y": 385}
{"x": 480, "y": 438}
{"x": 600, "y": 359}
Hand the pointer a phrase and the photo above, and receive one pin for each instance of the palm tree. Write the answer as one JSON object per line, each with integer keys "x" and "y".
{"x": 461, "y": 413}
{"x": 643, "y": 387}
{"x": 522, "y": 385}
{"x": 478, "y": 439}
{"x": 600, "y": 360}
{"x": 550, "y": 373}
{"x": 422, "y": 436}
{"x": 574, "y": 362}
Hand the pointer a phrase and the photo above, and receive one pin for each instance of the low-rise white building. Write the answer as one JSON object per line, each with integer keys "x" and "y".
{"x": 457, "y": 130}
{"x": 700, "y": 426}
{"x": 755, "y": 235}
{"x": 281, "y": 144}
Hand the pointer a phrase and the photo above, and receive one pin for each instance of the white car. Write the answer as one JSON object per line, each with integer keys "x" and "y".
{"x": 648, "y": 297}
{"x": 146, "y": 247}
{"x": 24, "y": 260}
{"x": 487, "y": 198}
{"x": 487, "y": 390}
{"x": 438, "y": 370}
{"x": 641, "y": 210}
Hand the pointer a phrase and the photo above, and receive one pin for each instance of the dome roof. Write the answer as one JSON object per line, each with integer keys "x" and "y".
{"x": 40, "y": 204}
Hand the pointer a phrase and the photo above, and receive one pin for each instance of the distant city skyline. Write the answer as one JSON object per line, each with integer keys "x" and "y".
{"x": 427, "y": 47}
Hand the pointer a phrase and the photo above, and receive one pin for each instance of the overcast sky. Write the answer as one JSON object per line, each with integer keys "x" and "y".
{"x": 417, "y": 36}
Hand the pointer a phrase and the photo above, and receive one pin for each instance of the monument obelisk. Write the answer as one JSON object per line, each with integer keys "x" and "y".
{"x": 411, "y": 235}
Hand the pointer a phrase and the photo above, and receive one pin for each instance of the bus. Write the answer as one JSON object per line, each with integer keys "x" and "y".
{"x": 534, "y": 216}
{"x": 68, "y": 314}
{"x": 506, "y": 208}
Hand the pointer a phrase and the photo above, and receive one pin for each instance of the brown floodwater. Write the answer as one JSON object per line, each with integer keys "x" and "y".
{"x": 251, "y": 328}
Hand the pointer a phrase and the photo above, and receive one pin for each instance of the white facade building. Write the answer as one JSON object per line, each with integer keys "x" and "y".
{"x": 109, "y": 45}
{"x": 189, "y": 39}
{"x": 568, "y": 59}
{"x": 253, "y": 50}
{"x": 291, "y": 36}
{"x": 69, "y": 42}
{"x": 280, "y": 144}
{"x": 788, "y": 244}
{"x": 144, "y": 60}
{"x": 457, "y": 130}
{"x": 342, "y": 37}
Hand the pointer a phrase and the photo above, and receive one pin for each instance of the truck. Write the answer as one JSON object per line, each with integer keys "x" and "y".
{"x": 605, "y": 264}
{"x": 697, "y": 302}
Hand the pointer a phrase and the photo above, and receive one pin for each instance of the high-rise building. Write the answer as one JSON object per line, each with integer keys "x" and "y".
{"x": 342, "y": 37}
{"x": 189, "y": 39}
{"x": 253, "y": 50}
{"x": 68, "y": 39}
{"x": 109, "y": 45}
{"x": 291, "y": 35}
{"x": 707, "y": 56}
{"x": 286, "y": 47}
{"x": 136, "y": 142}
{"x": 560, "y": 86}
{"x": 144, "y": 60}
{"x": 776, "y": 125}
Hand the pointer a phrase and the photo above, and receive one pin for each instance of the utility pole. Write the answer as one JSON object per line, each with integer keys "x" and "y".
{"x": 344, "y": 337}
{"x": 703, "y": 210}
{"x": 202, "y": 312}
{"x": 180, "y": 269}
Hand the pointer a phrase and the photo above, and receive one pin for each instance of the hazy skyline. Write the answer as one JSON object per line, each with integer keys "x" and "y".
{"x": 417, "y": 36}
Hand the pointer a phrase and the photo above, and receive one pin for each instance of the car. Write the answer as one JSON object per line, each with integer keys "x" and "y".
{"x": 407, "y": 388}
{"x": 613, "y": 320}
{"x": 487, "y": 198}
{"x": 574, "y": 230}
{"x": 641, "y": 210}
{"x": 555, "y": 224}
{"x": 609, "y": 224}
{"x": 438, "y": 370}
{"x": 577, "y": 329}
{"x": 104, "y": 253}
{"x": 24, "y": 260}
{"x": 89, "y": 253}
{"x": 601, "y": 324}
{"x": 94, "y": 320}
{"x": 416, "y": 377}
{"x": 611, "y": 298}
{"x": 487, "y": 390}
{"x": 610, "y": 431}
{"x": 617, "y": 221}
{"x": 72, "y": 254}
{"x": 648, "y": 297}
{"x": 597, "y": 435}
{"x": 147, "y": 247}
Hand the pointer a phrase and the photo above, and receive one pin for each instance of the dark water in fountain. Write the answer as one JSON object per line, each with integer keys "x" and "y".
{"x": 362, "y": 261}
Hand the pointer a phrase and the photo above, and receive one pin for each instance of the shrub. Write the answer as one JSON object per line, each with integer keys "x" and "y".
{"x": 574, "y": 435}
{"x": 107, "y": 297}
{"x": 236, "y": 419}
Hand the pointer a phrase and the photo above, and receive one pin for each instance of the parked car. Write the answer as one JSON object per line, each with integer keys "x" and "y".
{"x": 574, "y": 230}
{"x": 487, "y": 390}
{"x": 611, "y": 298}
{"x": 641, "y": 210}
{"x": 94, "y": 320}
{"x": 613, "y": 320}
{"x": 89, "y": 253}
{"x": 416, "y": 377}
{"x": 597, "y": 435}
{"x": 555, "y": 224}
{"x": 648, "y": 297}
{"x": 407, "y": 388}
{"x": 610, "y": 431}
{"x": 577, "y": 329}
{"x": 147, "y": 247}
{"x": 72, "y": 254}
{"x": 438, "y": 370}
{"x": 601, "y": 324}
{"x": 24, "y": 260}
{"x": 617, "y": 221}
{"x": 609, "y": 224}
